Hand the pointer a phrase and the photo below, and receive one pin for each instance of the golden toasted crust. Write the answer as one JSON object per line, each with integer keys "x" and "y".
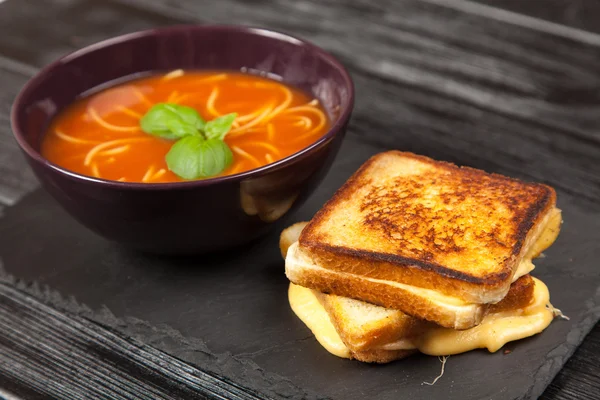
{"x": 518, "y": 297}
{"x": 380, "y": 356}
{"x": 406, "y": 218}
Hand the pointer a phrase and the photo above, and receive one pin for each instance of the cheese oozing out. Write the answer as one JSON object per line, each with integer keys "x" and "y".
{"x": 307, "y": 307}
{"x": 494, "y": 331}
{"x": 549, "y": 230}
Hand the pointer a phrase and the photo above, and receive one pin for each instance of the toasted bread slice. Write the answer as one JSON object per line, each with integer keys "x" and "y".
{"x": 421, "y": 303}
{"x": 364, "y": 326}
{"x": 407, "y": 219}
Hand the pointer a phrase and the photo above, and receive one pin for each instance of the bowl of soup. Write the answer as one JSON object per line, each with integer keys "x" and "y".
{"x": 186, "y": 139}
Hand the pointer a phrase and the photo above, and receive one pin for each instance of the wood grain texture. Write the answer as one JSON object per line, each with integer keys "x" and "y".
{"x": 580, "y": 377}
{"x": 580, "y": 14}
{"x": 45, "y": 353}
{"x": 430, "y": 79}
{"x": 82, "y": 22}
{"x": 15, "y": 177}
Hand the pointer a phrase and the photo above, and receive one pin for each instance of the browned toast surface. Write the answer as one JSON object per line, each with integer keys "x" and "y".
{"x": 518, "y": 297}
{"x": 409, "y": 219}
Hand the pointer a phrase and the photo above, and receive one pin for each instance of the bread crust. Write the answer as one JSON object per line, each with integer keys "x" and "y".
{"x": 435, "y": 262}
{"x": 379, "y": 293}
{"x": 381, "y": 356}
{"x": 397, "y": 325}
{"x": 518, "y": 297}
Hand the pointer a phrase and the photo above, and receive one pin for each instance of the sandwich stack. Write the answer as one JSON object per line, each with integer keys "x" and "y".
{"x": 413, "y": 254}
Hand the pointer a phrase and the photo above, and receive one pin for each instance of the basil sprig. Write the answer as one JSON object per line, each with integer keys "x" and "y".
{"x": 172, "y": 121}
{"x": 199, "y": 151}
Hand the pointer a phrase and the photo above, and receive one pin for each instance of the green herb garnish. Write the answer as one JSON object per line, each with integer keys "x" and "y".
{"x": 171, "y": 121}
{"x": 199, "y": 151}
{"x": 219, "y": 127}
{"x": 192, "y": 157}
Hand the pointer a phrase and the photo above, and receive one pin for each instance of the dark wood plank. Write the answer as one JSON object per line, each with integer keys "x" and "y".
{"x": 579, "y": 14}
{"x": 490, "y": 94}
{"x": 16, "y": 178}
{"x": 82, "y": 22}
{"x": 580, "y": 377}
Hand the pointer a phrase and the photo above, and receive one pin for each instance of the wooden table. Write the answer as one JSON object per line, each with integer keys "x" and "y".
{"x": 377, "y": 42}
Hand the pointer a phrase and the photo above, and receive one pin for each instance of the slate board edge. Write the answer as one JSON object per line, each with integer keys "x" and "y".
{"x": 271, "y": 385}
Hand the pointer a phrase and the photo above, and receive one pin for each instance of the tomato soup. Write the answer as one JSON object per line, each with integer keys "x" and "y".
{"x": 100, "y": 135}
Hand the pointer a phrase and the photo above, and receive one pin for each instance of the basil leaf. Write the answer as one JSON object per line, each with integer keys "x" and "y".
{"x": 189, "y": 115}
{"x": 171, "y": 121}
{"x": 219, "y": 127}
{"x": 193, "y": 157}
{"x": 180, "y": 129}
{"x": 182, "y": 158}
{"x": 155, "y": 121}
{"x": 215, "y": 158}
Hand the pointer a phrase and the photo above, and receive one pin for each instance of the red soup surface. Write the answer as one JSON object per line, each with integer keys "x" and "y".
{"x": 100, "y": 135}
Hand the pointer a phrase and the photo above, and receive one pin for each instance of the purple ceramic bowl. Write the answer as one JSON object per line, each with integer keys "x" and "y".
{"x": 195, "y": 216}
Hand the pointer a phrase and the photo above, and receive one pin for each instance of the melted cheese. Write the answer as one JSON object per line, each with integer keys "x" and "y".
{"x": 307, "y": 307}
{"x": 551, "y": 227}
{"x": 494, "y": 331}
{"x": 525, "y": 267}
{"x": 548, "y": 235}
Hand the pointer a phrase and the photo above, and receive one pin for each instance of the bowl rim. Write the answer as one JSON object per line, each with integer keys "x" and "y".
{"x": 335, "y": 129}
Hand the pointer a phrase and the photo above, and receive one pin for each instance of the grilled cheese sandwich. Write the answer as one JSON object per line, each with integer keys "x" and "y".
{"x": 417, "y": 255}
{"x": 406, "y": 232}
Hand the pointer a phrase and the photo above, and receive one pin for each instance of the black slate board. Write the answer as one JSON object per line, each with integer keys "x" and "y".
{"x": 236, "y": 301}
